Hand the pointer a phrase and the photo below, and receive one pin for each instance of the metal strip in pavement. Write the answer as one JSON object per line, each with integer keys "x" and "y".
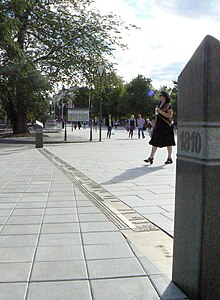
{"x": 122, "y": 215}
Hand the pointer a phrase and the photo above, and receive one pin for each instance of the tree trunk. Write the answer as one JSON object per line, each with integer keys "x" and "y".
{"x": 17, "y": 117}
{"x": 20, "y": 126}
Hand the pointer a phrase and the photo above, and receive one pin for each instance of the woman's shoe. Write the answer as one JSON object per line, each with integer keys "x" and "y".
{"x": 169, "y": 161}
{"x": 149, "y": 160}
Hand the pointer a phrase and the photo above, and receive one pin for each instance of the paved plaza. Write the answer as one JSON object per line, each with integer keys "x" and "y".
{"x": 86, "y": 220}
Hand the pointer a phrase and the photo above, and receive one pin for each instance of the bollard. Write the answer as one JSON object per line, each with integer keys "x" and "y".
{"x": 39, "y": 135}
{"x": 196, "y": 252}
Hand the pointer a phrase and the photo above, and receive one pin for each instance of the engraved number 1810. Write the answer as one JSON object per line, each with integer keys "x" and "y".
{"x": 190, "y": 141}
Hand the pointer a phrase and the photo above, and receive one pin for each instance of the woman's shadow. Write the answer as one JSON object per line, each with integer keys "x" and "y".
{"x": 133, "y": 173}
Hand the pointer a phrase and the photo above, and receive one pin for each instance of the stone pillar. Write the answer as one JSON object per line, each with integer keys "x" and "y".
{"x": 39, "y": 134}
{"x": 196, "y": 261}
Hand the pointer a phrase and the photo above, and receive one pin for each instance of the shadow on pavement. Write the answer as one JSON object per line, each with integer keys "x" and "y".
{"x": 133, "y": 173}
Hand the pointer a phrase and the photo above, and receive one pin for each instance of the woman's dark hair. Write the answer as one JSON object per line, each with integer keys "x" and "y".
{"x": 166, "y": 95}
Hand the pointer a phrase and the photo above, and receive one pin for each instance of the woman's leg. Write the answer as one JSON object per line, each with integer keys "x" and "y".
{"x": 139, "y": 132}
{"x": 169, "y": 150}
{"x": 169, "y": 159}
{"x": 150, "y": 159}
{"x": 153, "y": 151}
{"x": 110, "y": 132}
{"x": 142, "y": 131}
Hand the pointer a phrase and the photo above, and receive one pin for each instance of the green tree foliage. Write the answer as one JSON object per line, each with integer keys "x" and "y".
{"x": 136, "y": 99}
{"x": 112, "y": 92}
{"x": 2, "y": 111}
{"x": 23, "y": 93}
{"x": 81, "y": 99}
{"x": 173, "y": 96}
{"x": 49, "y": 41}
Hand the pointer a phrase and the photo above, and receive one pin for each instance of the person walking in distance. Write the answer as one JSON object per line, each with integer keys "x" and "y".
{"x": 131, "y": 126}
{"x": 163, "y": 134}
{"x": 95, "y": 123}
{"x": 109, "y": 124}
{"x": 140, "y": 125}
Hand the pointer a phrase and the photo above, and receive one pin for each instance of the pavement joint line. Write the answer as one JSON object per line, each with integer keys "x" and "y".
{"x": 96, "y": 199}
{"x": 103, "y": 199}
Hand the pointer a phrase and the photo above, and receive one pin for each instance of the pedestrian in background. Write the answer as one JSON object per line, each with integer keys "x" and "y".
{"x": 140, "y": 125}
{"x": 109, "y": 124}
{"x": 131, "y": 126}
{"x": 163, "y": 134}
{"x": 95, "y": 124}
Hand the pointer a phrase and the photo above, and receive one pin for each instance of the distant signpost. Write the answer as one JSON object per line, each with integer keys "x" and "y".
{"x": 78, "y": 115}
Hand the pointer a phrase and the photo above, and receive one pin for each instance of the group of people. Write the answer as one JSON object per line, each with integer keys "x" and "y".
{"x": 140, "y": 124}
{"x": 162, "y": 130}
{"x": 131, "y": 125}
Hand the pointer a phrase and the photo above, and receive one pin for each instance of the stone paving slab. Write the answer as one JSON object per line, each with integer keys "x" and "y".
{"x": 59, "y": 270}
{"x": 55, "y": 290}
{"x": 123, "y": 288}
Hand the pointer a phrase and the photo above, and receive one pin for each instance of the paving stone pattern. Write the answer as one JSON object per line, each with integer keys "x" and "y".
{"x": 56, "y": 244}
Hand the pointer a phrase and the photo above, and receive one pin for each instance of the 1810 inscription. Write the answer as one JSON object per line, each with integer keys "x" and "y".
{"x": 190, "y": 141}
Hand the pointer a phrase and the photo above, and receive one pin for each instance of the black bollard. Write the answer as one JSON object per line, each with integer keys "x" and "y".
{"x": 39, "y": 134}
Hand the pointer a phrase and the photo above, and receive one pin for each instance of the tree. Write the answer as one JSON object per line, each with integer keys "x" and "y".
{"x": 55, "y": 39}
{"x": 23, "y": 93}
{"x": 113, "y": 89}
{"x": 81, "y": 98}
{"x": 173, "y": 96}
{"x": 136, "y": 100}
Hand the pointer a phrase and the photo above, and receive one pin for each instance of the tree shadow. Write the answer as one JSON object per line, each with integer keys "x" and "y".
{"x": 7, "y": 151}
{"x": 133, "y": 173}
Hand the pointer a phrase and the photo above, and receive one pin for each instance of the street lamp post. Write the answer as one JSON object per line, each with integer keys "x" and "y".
{"x": 91, "y": 87}
{"x": 101, "y": 70}
{"x": 51, "y": 110}
{"x": 90, "y": 116}
{"x": 64, "y": 114}
{"x": 65, "y": 132}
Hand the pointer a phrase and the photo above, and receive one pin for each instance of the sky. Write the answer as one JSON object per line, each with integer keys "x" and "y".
{"x": 170, "y": 32}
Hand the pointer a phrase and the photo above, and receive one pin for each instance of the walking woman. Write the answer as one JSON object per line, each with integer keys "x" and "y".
{"x": 131, "y": 126}
{"x": 163, "y": 134}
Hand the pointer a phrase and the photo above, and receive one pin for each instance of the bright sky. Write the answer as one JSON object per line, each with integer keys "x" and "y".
{"x": 171, "y": 31}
